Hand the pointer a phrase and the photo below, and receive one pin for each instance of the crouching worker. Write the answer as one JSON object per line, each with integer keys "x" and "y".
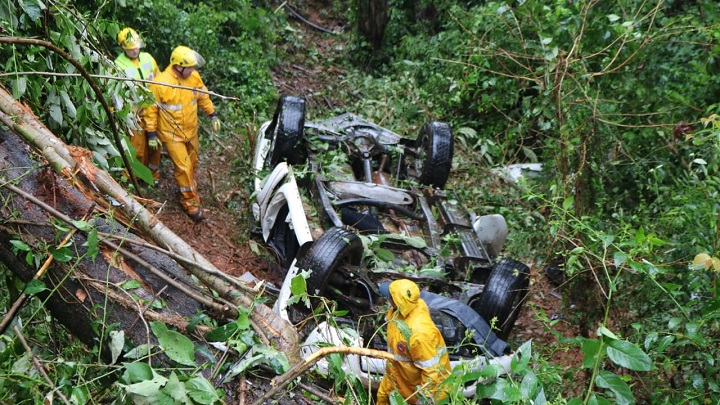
{"x": 420, "y": 363}
{"x": 173, "y": 120}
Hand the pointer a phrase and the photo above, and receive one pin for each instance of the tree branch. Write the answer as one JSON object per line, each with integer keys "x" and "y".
{"x": 93, "y": 85}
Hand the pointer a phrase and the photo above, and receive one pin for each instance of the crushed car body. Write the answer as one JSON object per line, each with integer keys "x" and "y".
{"x": 348, "y": 205}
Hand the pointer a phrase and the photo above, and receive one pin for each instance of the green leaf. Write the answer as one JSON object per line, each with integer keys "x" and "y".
{"x": 596, "y": 400}
{"x": 56, "y": 114}
{"x": 196, "y": 320}
{"x": 117, "y": 342}
{"x": 404, "y": 329}
{"x": 335, "y": 365}
{"x": 603, "y": 331}
{"x": 137, "y": 352}
{"x": 591, "y": 351}
{"x": 131, "y": 285}
{"x": 223, "y": 333}
{"x": 82, "y": 225}
{"x": 628, "y": 355}
{"x": 177, "y": 346}
{"x": 20, "y": 245}
{"x": 568, "y": 202}
{"x": 69, "y": 106}
{"x": 640, "y": 235}
{"x": 34, "y": 286}
{"x": 298, "y": 285}
{"x": 623, "y": 395}
{"x": 416, "y": 242}
{"x": 239, "y": 367}
{"x": 63, "y": 255}
{"x": 33, "y": 9}
{"x": 619, "y": 258}
{"x": 18, "y": 87}
{"x": 141, "y": 171}
{"x": 674, "y": 322}
{"x": 243, "y": 321}
{"x": 521, "y": 359}
{"x": 30, "y": 259}
{"x": 396, "y": 398}
{"x": 276, "y": 359}
{"x": 136, "y": 372}
{"x": 201, "y": 391}
{"x": 552, "y": 53}
{"x": 613, "y": 17}
{"x": 92, "y": 244}
{"x": 529, "y": 384}
{"x": 146, "y": 392}
{"x": 506, "y": 392}
{"x": 384, "y": 255}
{"x": 176, "y": 390}
{"x": 80, "y": 394}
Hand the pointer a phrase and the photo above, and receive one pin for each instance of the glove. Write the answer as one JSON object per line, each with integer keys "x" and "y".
{"x": 153, "y": 142}
{"x": 216, "y": 123}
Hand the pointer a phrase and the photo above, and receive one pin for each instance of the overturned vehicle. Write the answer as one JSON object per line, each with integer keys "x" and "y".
{"x": 348, "y": 205}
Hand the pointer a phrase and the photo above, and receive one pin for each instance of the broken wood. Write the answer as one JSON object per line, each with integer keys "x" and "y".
{"x": 281, "y": 381}
{"x": 23, "y": 296}
{"x": 81, "y": 184}
{"x": 93, "y": 85}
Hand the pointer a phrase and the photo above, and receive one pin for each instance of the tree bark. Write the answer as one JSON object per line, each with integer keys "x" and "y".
{"x": 85, "y": 291}
{"x": 372, "y": 19}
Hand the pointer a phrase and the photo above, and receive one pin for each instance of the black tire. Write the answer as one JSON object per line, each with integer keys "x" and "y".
{"x": 435, "y": 152}
{"x": 333, "y": 248}
{"x": 283, "y": 240}
{"x": 286, "y": 130}
{"x": 503, "y": 295}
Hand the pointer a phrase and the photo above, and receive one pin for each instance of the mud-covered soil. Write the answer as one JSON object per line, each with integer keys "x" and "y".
{"x": 224, "y": 237}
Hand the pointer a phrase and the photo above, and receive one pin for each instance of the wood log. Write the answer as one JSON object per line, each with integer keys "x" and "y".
{"x": 64, "y": 179}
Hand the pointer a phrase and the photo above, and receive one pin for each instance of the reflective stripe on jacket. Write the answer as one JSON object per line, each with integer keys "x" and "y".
{"x": 144, "y": 67}
{"x": 174, "y": 115}
{"x": 420, "y": 361}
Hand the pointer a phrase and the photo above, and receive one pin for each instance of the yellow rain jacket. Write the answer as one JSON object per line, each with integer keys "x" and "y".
{"x": 421, "y": 361}
{"x": 174, "y": 117}
{"x": 144, "y": 68}
{"x": 174, "y": 114}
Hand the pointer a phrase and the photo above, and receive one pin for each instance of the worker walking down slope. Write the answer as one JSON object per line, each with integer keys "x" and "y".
{"x": 421, "y": 361}
{"x": 173, "y": 120}
{"x": 139, "y": 65}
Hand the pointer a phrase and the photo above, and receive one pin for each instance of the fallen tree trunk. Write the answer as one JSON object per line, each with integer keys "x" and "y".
{"x": 74, "y": 187}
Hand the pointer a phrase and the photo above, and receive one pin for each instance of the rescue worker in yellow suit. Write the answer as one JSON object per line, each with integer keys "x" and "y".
{"x": 173, "y": 120}
{"x": 421, "y": 362}
{"x": 139, "y": 65}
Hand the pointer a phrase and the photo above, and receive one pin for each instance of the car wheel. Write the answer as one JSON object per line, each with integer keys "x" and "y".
{"x": 435, "y": 153}
{"x": 283, "y": 241}
{"x": 503, "y": 295}
{"x": 332, "y": 249}
{"x": 287, "y": 131}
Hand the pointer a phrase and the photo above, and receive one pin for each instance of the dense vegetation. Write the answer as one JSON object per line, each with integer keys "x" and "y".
{"x": 617, "y": 99}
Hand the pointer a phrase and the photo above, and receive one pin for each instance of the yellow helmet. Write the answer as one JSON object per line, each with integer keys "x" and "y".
{"x": 128, "y": 38}
{"x": 186, "y": 57}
